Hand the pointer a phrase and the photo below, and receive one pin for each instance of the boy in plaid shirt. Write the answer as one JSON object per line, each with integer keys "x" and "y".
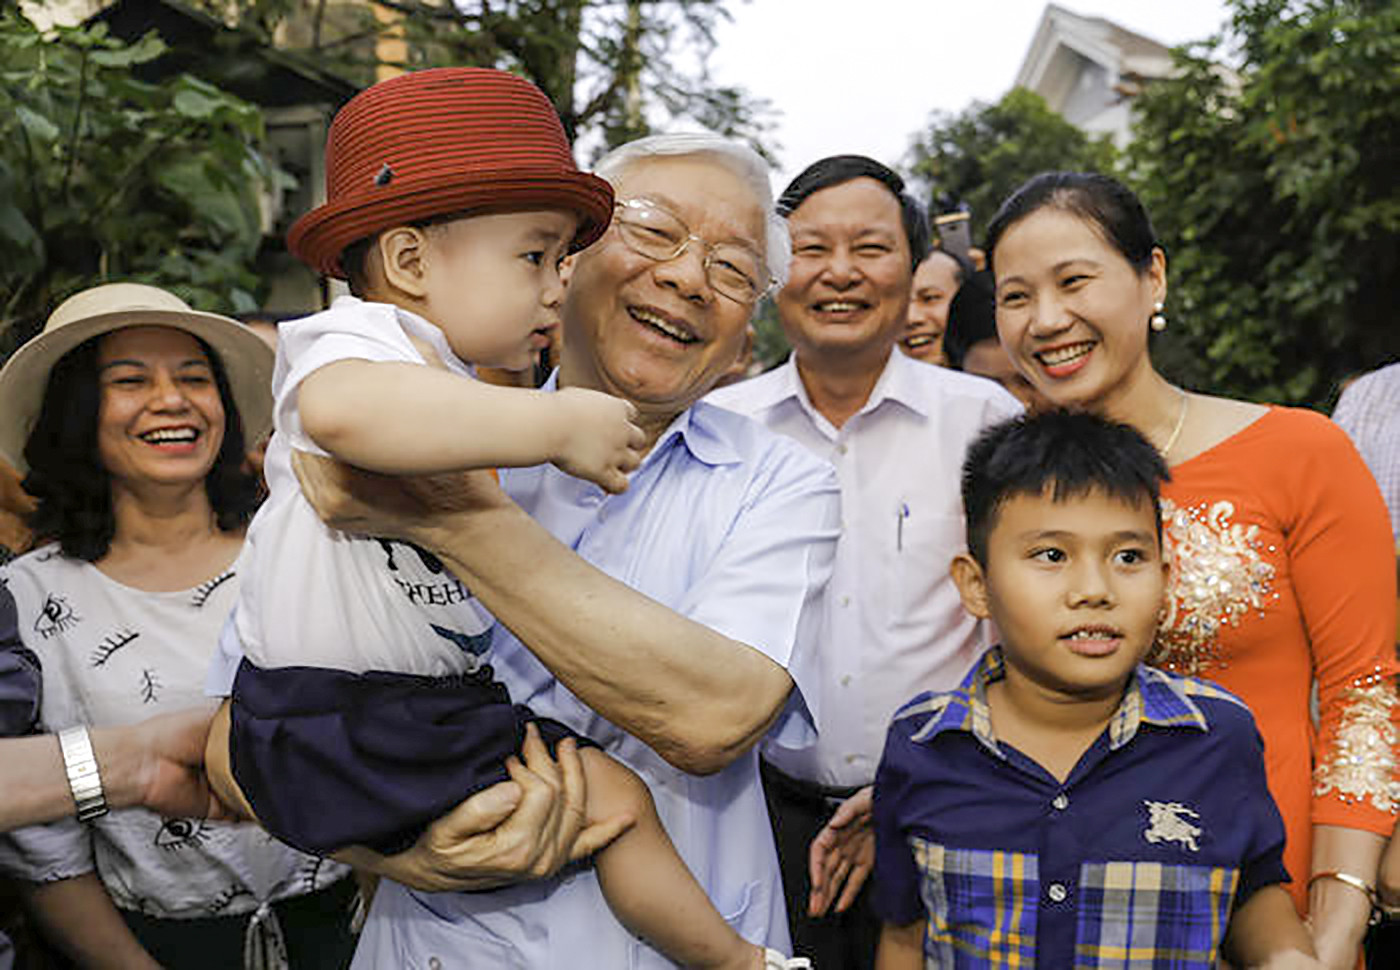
{"x": 1068, "y": 806}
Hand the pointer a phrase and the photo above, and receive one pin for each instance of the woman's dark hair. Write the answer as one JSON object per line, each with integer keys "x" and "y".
{"x": 963, "y": 267}
{"x": 1067, "y": 453}
{"x": 74, "y": 490}
{"x": 1105, "y": 203}
{"x": 972, "y": 317}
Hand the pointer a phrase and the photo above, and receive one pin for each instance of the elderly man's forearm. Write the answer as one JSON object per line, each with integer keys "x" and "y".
{"x": 698, "y": 698}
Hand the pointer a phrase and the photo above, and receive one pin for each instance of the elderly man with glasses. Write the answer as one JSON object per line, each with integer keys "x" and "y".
{"x": 661, "y": 623}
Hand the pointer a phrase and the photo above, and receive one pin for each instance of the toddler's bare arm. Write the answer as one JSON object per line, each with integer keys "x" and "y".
{"x": 407, "y": 419}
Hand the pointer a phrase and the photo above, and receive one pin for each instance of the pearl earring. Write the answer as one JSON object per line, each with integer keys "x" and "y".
{"x": 1159, "y": 320}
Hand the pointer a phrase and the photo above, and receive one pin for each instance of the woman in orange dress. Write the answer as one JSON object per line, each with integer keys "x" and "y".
{"x": 1283, "y": 572}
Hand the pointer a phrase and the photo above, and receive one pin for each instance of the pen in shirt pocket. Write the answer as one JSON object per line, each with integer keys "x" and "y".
{"x": 900, "y": 514}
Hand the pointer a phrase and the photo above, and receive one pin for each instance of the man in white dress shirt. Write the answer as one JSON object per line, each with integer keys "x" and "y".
{"x": 896, "y": 430}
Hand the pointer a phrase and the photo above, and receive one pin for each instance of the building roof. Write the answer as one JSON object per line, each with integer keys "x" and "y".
{"x": 1065, "y": 40}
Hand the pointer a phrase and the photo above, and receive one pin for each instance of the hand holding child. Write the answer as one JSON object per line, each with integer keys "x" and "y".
{"x": 598, "y": 438}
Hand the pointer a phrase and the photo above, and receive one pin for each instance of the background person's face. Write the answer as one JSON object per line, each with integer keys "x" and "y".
{"x": 935, "y": 282}
{"x": 656, "y": 333}
{"x": 848, "y": 286}
{"x": 160, "y": 419}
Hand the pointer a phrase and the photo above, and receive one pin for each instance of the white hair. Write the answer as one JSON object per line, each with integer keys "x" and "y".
{"x": 739, "y": 158}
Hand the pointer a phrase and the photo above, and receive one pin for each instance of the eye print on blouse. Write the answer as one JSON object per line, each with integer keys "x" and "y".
{"x": 204, "y": 590}
{"x": 111, "y": 644}
{"x": 180, "y": 833}
{"x": 149, "y": 686}
{"x": 55, "y": 617}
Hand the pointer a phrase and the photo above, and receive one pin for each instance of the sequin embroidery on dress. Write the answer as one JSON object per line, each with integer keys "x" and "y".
{"x": 1219, "y": 574}
{"x": 1360, "y": 762}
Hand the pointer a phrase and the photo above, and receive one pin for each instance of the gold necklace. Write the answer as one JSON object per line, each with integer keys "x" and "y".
{"x": 1180, "y": 423}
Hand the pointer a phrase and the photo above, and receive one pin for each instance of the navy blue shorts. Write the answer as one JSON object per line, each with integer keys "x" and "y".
{"x": 329, "y": 759}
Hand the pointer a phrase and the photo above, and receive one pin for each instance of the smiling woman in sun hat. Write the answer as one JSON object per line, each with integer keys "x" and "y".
{"x": 129, "y": 416}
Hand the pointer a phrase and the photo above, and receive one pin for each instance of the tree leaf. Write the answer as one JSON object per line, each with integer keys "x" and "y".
{"x": 36, "y": 124}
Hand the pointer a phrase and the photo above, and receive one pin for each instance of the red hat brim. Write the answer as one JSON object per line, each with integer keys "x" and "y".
{"x": 319, "y": 237}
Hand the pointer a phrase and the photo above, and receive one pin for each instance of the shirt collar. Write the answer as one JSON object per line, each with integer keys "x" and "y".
{"x": 699, "y": 428}
{"x": 414, "y": 326}
{"x": 1152, "y": 697}
{"x": 898, "y": 383}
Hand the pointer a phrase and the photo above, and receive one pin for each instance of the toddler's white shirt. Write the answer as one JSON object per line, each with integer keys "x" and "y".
{"x": 314, "y": 596}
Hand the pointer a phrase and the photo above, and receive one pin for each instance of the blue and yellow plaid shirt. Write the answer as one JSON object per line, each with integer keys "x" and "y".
{"x": 1136, "y": 860}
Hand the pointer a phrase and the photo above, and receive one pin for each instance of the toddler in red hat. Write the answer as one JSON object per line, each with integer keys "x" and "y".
{"x": 365, "y": 706}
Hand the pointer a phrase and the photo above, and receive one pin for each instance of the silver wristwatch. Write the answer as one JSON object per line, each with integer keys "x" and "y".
{"x": 83, "y": 779}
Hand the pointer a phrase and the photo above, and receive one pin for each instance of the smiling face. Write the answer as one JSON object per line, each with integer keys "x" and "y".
{"x": 848, "y": 287}
{"x": 656, "y": 332}
{"x": 160, "y": 419}
{"x": 1071, "y": 310}
{"x": 935, "y": 282}
{"x": 491, "y": 283}
{"x": 1075, "y": 586}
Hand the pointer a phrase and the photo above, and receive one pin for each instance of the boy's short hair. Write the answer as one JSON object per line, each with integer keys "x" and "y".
{"x": 1067, "y": 452}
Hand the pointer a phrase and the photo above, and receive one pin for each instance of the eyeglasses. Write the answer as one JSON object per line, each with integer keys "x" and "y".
{"x": 732, "y": 269}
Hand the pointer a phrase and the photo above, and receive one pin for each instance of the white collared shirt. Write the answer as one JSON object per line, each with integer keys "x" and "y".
{"x": 895, "y": 624}
{"x": 1369, "y": 411}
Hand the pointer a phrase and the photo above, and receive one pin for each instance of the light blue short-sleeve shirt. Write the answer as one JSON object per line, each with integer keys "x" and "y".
{"x": 734, "y": 527}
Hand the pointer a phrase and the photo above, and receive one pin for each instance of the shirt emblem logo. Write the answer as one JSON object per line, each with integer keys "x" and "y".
{"x": 1167, "y": 822}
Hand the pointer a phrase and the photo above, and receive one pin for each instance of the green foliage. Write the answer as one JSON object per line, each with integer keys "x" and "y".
{"x": 103, "y": 176}
{"x": 982, "y": 154}
{"x": 610, "y": 67}
{"x": 1275, "y": 192}
{"x": 770, "y": 345}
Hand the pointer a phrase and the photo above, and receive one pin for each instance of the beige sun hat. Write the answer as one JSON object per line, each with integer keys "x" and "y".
{"x": 247, "y": 361}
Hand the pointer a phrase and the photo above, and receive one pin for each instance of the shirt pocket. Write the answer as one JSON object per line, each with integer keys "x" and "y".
{"x": 979, "y": 901}
{"x": 1149, "y": 904}
{"x": 924, "y": 543}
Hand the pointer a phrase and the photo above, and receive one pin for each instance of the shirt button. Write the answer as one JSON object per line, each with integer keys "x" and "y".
{"x": 840, "y": 449}
{"x": 1057, "y": 892}
{"x": 851, "y": 759}
{"x": 845, "y": 601}
{"x": 1061, "y": 802}
{"x": 434, "y": 963}
{"x": 846, "y": 680}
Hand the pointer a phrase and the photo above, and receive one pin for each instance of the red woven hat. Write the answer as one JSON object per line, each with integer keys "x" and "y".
{"x": 443, "y": 141}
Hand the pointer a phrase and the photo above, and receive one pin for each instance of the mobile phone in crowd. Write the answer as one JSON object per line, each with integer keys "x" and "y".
{"x": 955, "y": 231}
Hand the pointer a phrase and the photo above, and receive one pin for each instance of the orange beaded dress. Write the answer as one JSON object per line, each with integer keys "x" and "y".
{"x": 1284, "y": 575}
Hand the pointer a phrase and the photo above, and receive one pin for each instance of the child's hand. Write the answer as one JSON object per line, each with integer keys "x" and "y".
{"x": 598, "y": 440}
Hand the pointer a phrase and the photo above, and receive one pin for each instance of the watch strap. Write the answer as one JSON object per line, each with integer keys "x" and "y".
{"x": 83, "y": 778}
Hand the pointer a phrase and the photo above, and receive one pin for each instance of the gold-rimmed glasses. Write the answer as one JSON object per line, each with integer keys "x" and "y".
{"x": 651, "y": 230}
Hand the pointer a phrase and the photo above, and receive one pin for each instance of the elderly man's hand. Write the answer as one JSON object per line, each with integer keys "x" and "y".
{"x": 159, "y": 763}
{"x": 407, "y": 507}
{"x": 526, "y": 828}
